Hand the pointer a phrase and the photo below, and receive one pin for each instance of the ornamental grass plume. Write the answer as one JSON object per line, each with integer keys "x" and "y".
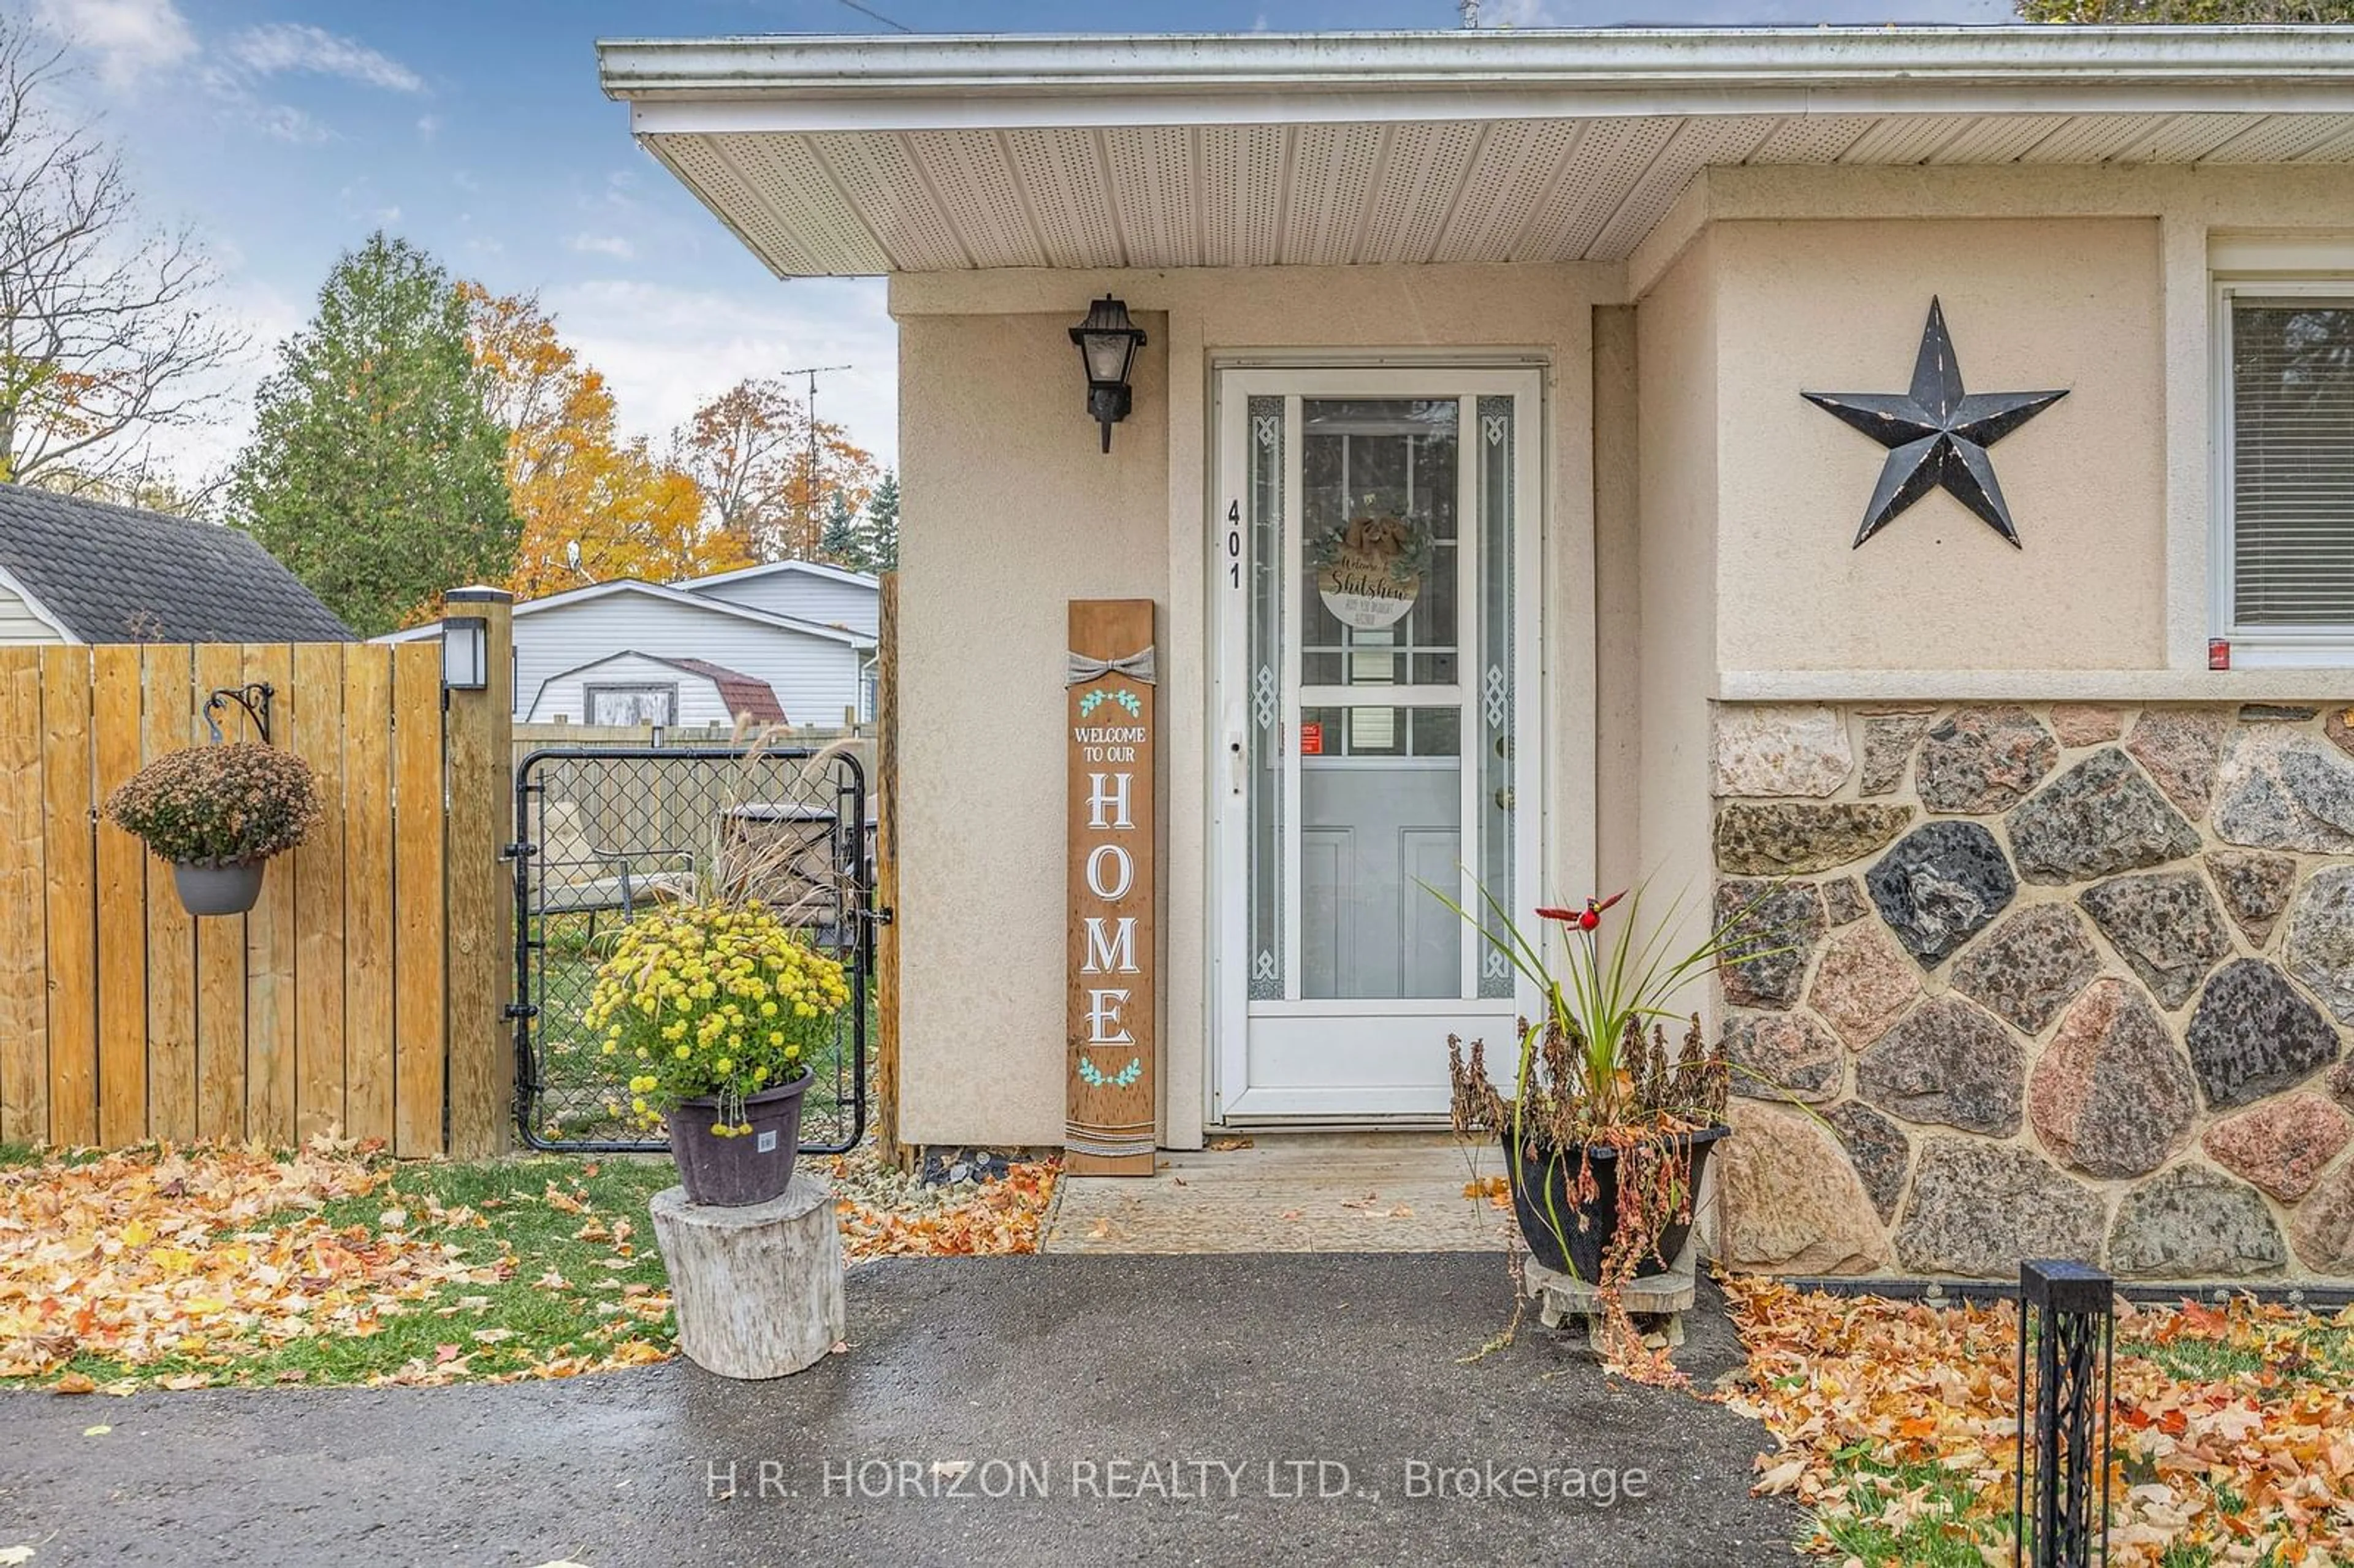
{"x": 219, "y": 805}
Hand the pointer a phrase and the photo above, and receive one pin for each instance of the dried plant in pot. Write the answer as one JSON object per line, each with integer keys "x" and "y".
{"x": 1605, "y": 1128}
{"x": 218, "y": 813}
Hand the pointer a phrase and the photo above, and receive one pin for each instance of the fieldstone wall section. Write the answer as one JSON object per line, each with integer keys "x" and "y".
{"x": 2068, "y": 980}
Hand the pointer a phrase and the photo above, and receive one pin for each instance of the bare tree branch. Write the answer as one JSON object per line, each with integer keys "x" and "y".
{"x": 105, "y": 336}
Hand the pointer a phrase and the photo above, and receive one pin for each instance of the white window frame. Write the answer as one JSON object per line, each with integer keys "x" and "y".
{"x": 2246, "y": 270}
{"x": 589, "y": 693}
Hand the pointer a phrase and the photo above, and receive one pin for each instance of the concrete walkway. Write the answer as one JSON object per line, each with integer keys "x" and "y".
{"x": 1153, "y": 1410}
{"x": 1390, "y": 1192}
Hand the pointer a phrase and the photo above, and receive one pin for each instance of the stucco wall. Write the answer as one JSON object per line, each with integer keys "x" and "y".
{"x": 1677, "y": 330}
{"x": 2031, "y": 305}
{"x": 1021, "y": 512}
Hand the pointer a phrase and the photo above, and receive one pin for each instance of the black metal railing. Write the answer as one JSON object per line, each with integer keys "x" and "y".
{"x": 2067, "y": 1318}
{"x": 604, "y": 834}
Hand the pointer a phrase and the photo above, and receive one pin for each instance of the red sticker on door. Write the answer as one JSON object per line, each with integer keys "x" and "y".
{"x": 1311, "y": 740}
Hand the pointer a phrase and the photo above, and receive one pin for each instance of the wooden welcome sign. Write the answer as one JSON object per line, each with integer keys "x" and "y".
{"x": 1108, "y": 691}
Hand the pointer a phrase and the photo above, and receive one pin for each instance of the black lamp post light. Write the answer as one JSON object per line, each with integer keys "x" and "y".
{"x": 2067, "y": 1317}
{"x": 1108, "y": 343}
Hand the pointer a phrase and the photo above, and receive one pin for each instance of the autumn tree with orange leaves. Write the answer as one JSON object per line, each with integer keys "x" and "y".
{"x": 750, "y": 450}
{"x": 572, "y": 479}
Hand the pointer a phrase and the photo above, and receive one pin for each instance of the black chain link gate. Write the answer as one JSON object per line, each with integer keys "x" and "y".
{"x": 605, "y": 833}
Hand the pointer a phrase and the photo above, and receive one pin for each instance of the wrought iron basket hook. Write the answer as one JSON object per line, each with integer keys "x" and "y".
{"x": 254, "y": 699}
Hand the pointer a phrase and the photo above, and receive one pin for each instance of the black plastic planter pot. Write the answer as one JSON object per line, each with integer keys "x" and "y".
{"x": 743, "y": 1169}
{"x": 218, "y": 889}
{"x": 1540, "y": 1185}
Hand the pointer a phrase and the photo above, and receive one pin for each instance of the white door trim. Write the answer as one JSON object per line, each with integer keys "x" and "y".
{"x": 1389, "y": 1028}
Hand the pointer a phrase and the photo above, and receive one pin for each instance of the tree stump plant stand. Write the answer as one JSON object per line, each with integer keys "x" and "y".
{"x": 758, "y": 1289}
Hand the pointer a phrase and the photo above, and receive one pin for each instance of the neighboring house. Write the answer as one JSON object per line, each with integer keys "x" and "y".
{"x": 91, "y": 572}
{"x": 2037, "y": 699}
{"x": 806, "y": 590}
{"x": 639, "y": 689}
{"x": 813, "y": 672}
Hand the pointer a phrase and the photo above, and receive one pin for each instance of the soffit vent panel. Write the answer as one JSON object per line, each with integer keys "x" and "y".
{"x": 1332, "y": 170}
{"x": 788, "y": 247}
{"x": 1352, "y": 191}
{"x": 1812, "y": 138}
{"x": 976, "y": 185}
{"x": 2187, "y": 138}
{"x": 878, "y": 175}
{"x": 1063, "y": 172}
{"x": 1695, "y": 146}
{"x": 1905, "y": 138}
{"x": 1592, "y": 187}
{"x": 2281, "y": 138}
{"x": 1245, "y": 163}
{"x": 2338, "y": 149}
{"x": 1509, "y": 175}
{"x": 1153, "y": 182}
{"x": 1998, "y": 141}
{"x": 1424, "y": 178}
{"x": 2095, "y": 138}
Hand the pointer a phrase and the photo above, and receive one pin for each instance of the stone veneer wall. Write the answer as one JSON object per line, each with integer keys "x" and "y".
{"x": 2066, "y": 981}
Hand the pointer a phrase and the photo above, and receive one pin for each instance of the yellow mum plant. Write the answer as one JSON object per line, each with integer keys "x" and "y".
{"x": 712, "y": 999}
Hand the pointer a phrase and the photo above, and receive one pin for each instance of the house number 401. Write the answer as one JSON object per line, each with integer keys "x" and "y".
{"x": 1235, "y": 542}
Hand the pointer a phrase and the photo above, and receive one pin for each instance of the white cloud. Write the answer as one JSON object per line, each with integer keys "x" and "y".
{"x": 428, "y": 126}
{"x": 664, "y": 349}
{"x": 1517, "y": 14}
{"x": 613, "y": 245}
{"x": 299, "y": 47}
{"x": 286, "y": 122}
{"x": 131, "y": 37}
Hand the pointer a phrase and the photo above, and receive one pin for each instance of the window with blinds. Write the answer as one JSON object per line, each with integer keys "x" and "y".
{"x": 2293, "y": 464}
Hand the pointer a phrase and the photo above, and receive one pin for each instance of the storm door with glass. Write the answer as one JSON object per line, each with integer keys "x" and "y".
{"x": 1376, "y": 556}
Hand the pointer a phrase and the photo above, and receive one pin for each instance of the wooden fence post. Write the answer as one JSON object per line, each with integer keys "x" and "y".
{"x": 886, "y": 894}
{"x": 480, "y": 735}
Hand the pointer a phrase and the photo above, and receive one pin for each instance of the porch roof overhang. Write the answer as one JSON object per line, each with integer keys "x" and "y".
{"x": 864, "y": 155}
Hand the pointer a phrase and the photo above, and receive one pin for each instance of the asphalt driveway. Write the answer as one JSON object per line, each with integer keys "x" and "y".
{"x": 1291, "y": 1410}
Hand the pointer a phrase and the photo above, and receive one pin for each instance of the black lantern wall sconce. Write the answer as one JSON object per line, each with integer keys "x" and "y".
{"x": 1108, "y": 343}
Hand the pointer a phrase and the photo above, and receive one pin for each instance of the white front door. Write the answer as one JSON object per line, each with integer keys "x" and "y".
{"x": 1375, "y": 550}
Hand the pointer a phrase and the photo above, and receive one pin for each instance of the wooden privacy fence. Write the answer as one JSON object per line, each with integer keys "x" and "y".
{"x": 363, "y": 996}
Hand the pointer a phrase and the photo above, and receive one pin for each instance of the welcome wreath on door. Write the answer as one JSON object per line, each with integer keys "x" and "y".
{"x": 1368, "y": 569}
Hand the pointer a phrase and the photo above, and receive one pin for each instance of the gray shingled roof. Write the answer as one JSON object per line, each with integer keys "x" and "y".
{"x": 115, "y": 574}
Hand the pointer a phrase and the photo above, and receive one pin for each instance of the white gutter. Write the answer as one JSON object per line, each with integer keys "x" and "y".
{"x": 817, "y": 83}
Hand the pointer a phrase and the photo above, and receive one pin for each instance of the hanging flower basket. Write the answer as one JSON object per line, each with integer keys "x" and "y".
{"x": 218, "y": 813}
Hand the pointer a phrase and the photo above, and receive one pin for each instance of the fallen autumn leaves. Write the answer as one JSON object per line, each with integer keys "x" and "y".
{"x": 187, "y": 1269}
{"x": 1895, "y": 1421}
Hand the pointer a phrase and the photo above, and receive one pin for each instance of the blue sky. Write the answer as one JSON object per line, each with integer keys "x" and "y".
{"x": 285, "y": 132}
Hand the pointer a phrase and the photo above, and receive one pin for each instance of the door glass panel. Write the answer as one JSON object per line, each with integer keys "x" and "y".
{"x": 1379, "y": 544}
{"x": 1495, "y": 702}
{"x": 1264, "y": 759}
{"x": 1381, "y": 782}
{"x": 1380, "y": 816}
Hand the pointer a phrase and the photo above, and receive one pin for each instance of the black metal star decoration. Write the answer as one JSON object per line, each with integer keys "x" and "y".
{"x": 1936, "y": 434}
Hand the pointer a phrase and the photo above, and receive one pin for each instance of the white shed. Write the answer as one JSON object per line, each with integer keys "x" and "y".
{"x": 635, "y": 688}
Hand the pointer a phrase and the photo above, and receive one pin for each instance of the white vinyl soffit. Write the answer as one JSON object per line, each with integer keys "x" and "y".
{"x": 859, "y": 156}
